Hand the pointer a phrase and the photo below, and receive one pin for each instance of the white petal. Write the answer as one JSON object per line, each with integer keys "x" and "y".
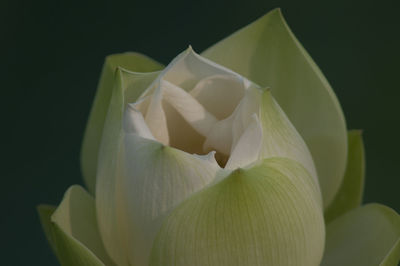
{"x": 247, "y": 107}
{"x": 191, "y": 110}
{"x": 248, "y": 147}
{"x": 219, "y": 94}
{"x": 220, "y": 136}
{"x": 155, "y": 180}
{"x": 155, "y": 118}
{"x": 189, "y": 68}
{"x": 108, "y": 171}
{"x": 134, "y": 123}
{"x": 186, "y": 138}
{"x": 225, "y": 134}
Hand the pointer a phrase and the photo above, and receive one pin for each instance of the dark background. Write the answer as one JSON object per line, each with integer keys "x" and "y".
{"x": 51, "y": 57}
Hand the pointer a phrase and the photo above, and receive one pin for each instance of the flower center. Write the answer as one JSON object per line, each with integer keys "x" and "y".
{"x": 200, "y": 120}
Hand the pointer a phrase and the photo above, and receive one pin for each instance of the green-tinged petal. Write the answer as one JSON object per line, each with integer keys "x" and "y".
{"x": 280, "y": 137}
{"x": 72, "y": 230}
{"x": 366, "y": 236}
{"x": 45, "y": 212}
{"x": 268, "y": 214}
{"x": 131, "y": 61}
{"x": 155, "y": 179}
{"x": 393, "y": 258}
{"x": 107, "y": 184}
{"x": 350, "y": 193}
{"x": 267, "y": 53}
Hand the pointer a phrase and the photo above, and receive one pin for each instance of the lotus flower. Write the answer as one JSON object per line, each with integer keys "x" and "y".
{"x": 237, "y": 156}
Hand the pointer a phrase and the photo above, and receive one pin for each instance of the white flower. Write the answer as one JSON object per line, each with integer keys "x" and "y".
{"x": 192, "y": 126}
{"x": 197, "y": 164}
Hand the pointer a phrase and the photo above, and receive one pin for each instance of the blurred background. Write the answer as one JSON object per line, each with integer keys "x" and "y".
{"x": 52, "y": 54}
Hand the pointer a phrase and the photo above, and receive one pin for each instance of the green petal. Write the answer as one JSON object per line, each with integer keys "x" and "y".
{"x": 108, "y": 184}
{"x": 267, "y": 53}
{"x": 350, "y": 193}
{"x": 265, "y": 215}
{"x": 131, "y": 61}
{"x": 366, "y": 236}
{"x": 45, "y": 212}
{"x": 72, "y": 229}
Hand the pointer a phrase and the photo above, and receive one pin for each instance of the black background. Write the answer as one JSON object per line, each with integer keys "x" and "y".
{"x": 52, "y": 53}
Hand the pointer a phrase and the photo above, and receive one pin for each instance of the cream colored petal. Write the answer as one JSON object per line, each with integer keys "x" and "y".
{"x": 190, "y": 109}
{"x": 134, "y": 123}
{"x": 249, "y": 105}
{"x": 182, "y": 135}
{"x": 187, "y": 69}
{"x": 219, "y": 94}
{"x": 248, "y": 147}
{"x": 225, "y": 134}
{"x": 220, "y": 136}
{"x": 156, "y": 118}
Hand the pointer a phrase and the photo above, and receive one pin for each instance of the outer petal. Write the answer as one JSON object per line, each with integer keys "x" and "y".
{"x": 156, "y": 179}
{"x": 72, "y": 229}
{"x": 350, "y": 194}
{"x": 366, "y": 236}
{"x": 267, "y": 53}
{"x": 265, "y": 215}
{"x": 108, "y": 184}
{"x": 280, "y": 137}
{"x": 94, "y": 129}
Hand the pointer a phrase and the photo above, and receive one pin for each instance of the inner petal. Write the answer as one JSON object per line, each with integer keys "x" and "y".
{"x": 197, "y": 106}
{"x": 191, "y": 110}
{"x": 219, "y": 94}
{"x": 248, "y": 146}
{"x": 186, "y": 70}
{"x": 182, "y": 135}
{"x": 155, "y": 118}
{"x": 225, "y": 134}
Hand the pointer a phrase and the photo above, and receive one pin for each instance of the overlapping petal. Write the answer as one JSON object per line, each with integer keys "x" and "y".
{"x": 155, "y": 180}
{"x": 94, "y": 129}
{"x": 269, "y": 214}
{"x": 366, "y": 236}
{"x": 127, "y": 86}
{"x": 141, "y": 149}
{"x": 72, "y": 230}
{"x": 267, "y": 53}
{"x": 350, "y": 193}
